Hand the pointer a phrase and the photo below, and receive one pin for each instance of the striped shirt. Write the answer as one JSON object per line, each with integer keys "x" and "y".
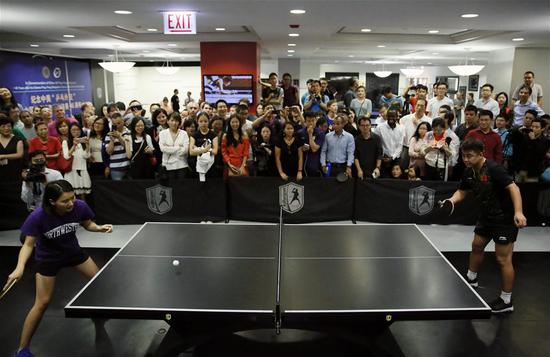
{"x": 118, "y": 159}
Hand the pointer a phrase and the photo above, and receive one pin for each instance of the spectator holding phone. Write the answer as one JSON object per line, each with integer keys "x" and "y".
{"x": 118, "y": 146}
{"x": 76, "y": 147}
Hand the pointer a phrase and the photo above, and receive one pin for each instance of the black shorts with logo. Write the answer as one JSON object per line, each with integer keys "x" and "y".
{"x": 52, "y": 268}
{"x": 499, "y": 233}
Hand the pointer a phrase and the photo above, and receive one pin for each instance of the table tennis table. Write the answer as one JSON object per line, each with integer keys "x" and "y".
{"x": 235, "y": 277}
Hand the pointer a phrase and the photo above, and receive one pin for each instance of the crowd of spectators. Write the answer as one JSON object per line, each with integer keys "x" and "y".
{"x": 320, "y": 133}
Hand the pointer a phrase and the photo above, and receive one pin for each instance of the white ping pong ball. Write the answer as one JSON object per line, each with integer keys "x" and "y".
{"x": 175, "y": 262}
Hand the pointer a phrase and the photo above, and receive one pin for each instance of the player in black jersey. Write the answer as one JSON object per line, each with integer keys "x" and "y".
{"x": 501, "y": 215}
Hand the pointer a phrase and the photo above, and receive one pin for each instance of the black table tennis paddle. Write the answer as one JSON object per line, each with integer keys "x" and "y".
{"x": 342, "y": 177}
{"x": 447, "y": 207}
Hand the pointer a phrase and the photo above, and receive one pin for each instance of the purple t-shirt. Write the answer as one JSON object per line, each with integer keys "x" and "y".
{"x": 56, "y": 235}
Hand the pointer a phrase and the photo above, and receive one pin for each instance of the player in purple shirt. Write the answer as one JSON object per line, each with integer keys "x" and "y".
{"x": 52, "y": 230}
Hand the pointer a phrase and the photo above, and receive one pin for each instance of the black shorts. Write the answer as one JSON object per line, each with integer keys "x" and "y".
{"x": 500, "y": 234}
{"x": 52, "y": 268}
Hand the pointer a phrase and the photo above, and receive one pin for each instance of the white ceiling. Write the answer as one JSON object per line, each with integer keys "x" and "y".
{"x": 329, "y": 31}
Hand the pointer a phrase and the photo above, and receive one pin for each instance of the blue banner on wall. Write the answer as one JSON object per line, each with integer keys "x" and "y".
{"x": 37, "y": 80}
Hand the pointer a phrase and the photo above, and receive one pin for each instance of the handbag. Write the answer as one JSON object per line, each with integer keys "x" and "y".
{"x": 64, "y": 165}
{"x": 152, "y": 157}
{"x": 137, "y": 152}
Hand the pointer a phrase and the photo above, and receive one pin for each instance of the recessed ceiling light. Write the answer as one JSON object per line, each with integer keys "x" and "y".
{"x": 294, "y": 34}
{"x": 220, "y": 28}
{"x": 435, "y": 53}
{"x": 290, "y": 55}
{"x": 297, "y": 12}
{"x": 433, "y": 31}
{"x": 68, "y": 36}
{"x": 429, "y": 62}
{"x": 152, "y": 30}
{"x": 366, "y": 30}
{"x": 469, "y": 16}
{"x": 381, "y": 46}
{"x": 351, "y": 56}
{"x": 291, "y": 45}
{"x": 172, "y": 45}
{"x": 291, "y": 51}
{"x": 145, "y": 51}
{"x": 517, "y": 39}
{"x": 33, "y": 45}
{"x": 122, "y": 12}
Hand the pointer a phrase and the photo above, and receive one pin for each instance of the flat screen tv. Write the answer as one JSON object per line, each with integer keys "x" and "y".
{"x": 229, "y": 87}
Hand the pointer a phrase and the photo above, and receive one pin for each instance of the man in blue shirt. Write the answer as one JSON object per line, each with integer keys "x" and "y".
{"x": 316, "y": 102}
{"x": 338, "y": 149}
{"x": 523, "y": 105}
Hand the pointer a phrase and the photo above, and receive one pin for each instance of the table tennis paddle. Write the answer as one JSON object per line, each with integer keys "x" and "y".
{"x": 7, "y": 288}
{"x": 447, "y": 206}
{"x": 342, "y": 177}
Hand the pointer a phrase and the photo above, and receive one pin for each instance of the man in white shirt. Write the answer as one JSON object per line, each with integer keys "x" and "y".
{"x": 409, "y": 123}
{"x": 536, "y": 89}
{"x": 486, "y": 101}
{"x": 439, "y": 100}
{"x": 392, "y": 136}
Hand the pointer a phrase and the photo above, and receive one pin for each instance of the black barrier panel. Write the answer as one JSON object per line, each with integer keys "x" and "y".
{"x": 402, "y": 201}
{"x": 310, "y": 200}
{"x": 13, "y": 211}
{"x": 138, "y": 201}
{"x": 536, "y": 203}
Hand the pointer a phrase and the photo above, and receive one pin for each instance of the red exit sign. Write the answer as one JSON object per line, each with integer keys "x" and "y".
{"x": 180, "y": 23}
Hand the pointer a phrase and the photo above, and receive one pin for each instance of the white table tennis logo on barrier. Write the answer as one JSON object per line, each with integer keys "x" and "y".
{"x": 421, "y": 200}
{"x": 159, "y": 199}
{"x": 291, "y": 197}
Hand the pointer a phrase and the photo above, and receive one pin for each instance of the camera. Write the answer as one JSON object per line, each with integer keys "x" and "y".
{"x": 36, "y": 173}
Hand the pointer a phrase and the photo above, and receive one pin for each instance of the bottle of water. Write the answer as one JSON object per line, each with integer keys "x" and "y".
{"x": 329, "y": 167}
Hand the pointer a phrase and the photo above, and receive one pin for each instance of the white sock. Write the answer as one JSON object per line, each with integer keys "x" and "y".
{"x": 507, "y": 297}
{"x": 471, "y": 275}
